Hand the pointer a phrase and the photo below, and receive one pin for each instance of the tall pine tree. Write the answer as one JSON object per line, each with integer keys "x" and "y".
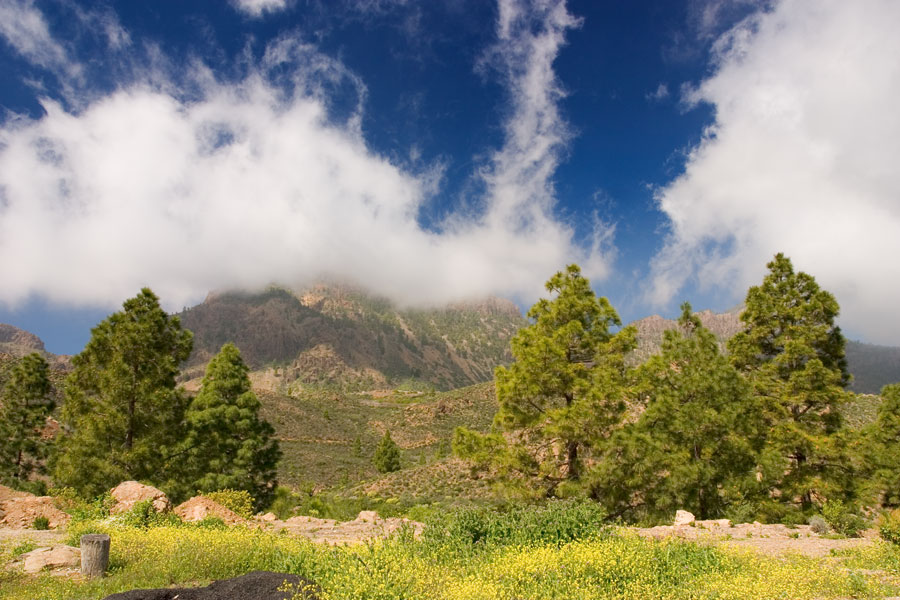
{"x": 884, "y": 445}
{"x": 695, "y": 445}
{"x": 122, "y": 414}
{"x": 228, "y": 445}
{"x": 793, "y": 354}
{"x": 561, "y": 398}
{"x": 25, "y": 405}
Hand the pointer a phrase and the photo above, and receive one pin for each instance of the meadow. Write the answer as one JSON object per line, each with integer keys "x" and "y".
{"x": 561, "y": 550}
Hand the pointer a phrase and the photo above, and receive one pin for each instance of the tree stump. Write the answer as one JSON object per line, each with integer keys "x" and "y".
{"x": 94, "y": 554}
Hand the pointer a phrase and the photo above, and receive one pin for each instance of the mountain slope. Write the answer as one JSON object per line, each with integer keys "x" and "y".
{"x": 872, "y": 366}
{"x": 341, "y": 335}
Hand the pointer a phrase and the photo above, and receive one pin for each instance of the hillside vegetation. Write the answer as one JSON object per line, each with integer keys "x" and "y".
{"x": 343, "y": 337}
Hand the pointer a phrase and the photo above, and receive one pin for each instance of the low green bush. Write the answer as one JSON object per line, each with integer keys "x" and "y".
{"x": 889, "y": 527}
{"x": 41, "y": 523}
{"x": 842, "y": 519}
{"x": 555, "y": 523}
{"x": 237, "y": 501}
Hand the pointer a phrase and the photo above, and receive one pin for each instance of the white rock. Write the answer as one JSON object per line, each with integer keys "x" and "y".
{"x": 367, "y": 516}
{"x": 683, "y": 517}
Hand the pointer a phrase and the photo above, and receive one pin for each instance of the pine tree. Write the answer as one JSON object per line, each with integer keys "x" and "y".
{"x": 884, "y": 438}
{"x": 793, "y": 354}
{"x": 695, "y": 445}
{"x": 122, "y": 415}
{"x": 228, "y": 445}
{"x": 24, "y": 408}
{"x": 387, "y": 455}
{"x": 563, "y": 395}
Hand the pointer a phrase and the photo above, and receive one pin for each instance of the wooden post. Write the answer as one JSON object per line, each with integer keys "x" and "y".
{"x": 94, "y": 554}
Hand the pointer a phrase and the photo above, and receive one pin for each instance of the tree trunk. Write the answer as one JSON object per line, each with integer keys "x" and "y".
{"x": 572, "y": 460}
{"x": 94, "y": 555}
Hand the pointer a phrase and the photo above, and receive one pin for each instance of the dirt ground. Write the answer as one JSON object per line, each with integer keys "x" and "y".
{"x": 773, "y": 540}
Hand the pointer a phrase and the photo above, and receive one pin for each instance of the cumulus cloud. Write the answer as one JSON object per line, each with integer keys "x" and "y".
{"x": 802, "y": 158}
{"x": 241, "y": 184}
{"x": 256, "y": 8}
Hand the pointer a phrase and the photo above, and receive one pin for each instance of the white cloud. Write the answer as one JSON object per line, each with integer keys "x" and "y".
{"x": 255, "y": 182}
{"x": 659, "y": 94}
{"x": 802, "y": 158}
{"x": 25, "y": 29}
{"x": 256, "y": 8}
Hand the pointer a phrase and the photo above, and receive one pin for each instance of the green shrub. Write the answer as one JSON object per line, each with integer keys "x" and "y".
{"x": 889, "y": 528}
{"x": 143, "y": 515}
{"x": 41, "y": 523}
{"x": 238, "y": 501}
{"x": 26, "y": 546}
{"x": 555, "y": 523}
{"x": 842, "y": 519}
{"x": 211, "y": 523}
{"x": 93, "y": 511}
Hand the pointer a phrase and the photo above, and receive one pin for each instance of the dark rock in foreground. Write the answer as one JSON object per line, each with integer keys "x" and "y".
{"x": 258, "y": 585}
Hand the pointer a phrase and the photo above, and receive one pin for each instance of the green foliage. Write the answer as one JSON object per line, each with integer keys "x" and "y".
{"x": 144, "y": 515}
{"x": 237, "y": 501}
{"x": 696, "y": 443}
{"x": 793, "y": 354}
{"x": 387, "y": 455}
{"x": 41, "y": 523}
{"x": 842, "y": 519}
{"x": 122, "y": 415}
{"x": 228, "y": 445}
{"x": 884, "y": 446}
{"x": 23, "y": 548}
{"x": 25, "y": 404}
{"x": 563, "y": 395}
{"x": 555, "y": 523}
{"x": 889, "y": 527}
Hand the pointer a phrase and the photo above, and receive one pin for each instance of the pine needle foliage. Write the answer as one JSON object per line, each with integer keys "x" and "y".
{"x": 122, "y": 414}
{"x": 228, "y": 445}
{"x": 25, "y": 405}
{"x": 564, "y": 394}
{"x": 696, "y": 443}
{"x": 387, "y": 455}
{"x": 793, "y": 354}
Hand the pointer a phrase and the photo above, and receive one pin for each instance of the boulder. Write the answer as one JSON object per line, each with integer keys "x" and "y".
{"x": 21, "y": 511}
{"x": 55, "y": 557}
{"x": 268, "y": 517}
{"x": 201, "y": 507}
{"x": 683, "y": 517}
{"x": 709, "y": 523}
{"x": 367, "y": 516}
{"x": 129, "y": 493}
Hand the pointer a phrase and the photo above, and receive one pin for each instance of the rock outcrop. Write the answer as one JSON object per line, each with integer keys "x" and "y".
{"x": 129, "y": 493}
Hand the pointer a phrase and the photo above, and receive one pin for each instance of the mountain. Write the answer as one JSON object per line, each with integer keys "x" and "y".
{"x": 872, "y": 366}
{"x": 16, "y": 343}
{"x": 332, "y": 334}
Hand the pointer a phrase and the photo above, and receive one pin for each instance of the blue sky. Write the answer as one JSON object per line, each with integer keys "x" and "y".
{"x": 438, "y": 151}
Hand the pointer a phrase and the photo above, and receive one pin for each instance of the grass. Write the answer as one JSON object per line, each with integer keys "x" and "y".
{"x": 558, "y": 551}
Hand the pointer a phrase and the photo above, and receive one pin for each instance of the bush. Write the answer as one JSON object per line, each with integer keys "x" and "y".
{"x": 819, "y": 525}
{"x": 889, "y": 527}
{"x": 556, "y": 523}
{"x": 842, "y": 519}
{"x": 143, "y": 516}
{"x": 41, "y": 523}
{"x": 238, "y": 501}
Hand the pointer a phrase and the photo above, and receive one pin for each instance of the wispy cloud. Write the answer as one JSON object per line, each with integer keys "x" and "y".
{"x": 190, "y": 183}
{"x": 257, "y": 8}
{"x": 24, "y": 28}
{"x": 659, "y": 94}
{"x": 802, "y": 158}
